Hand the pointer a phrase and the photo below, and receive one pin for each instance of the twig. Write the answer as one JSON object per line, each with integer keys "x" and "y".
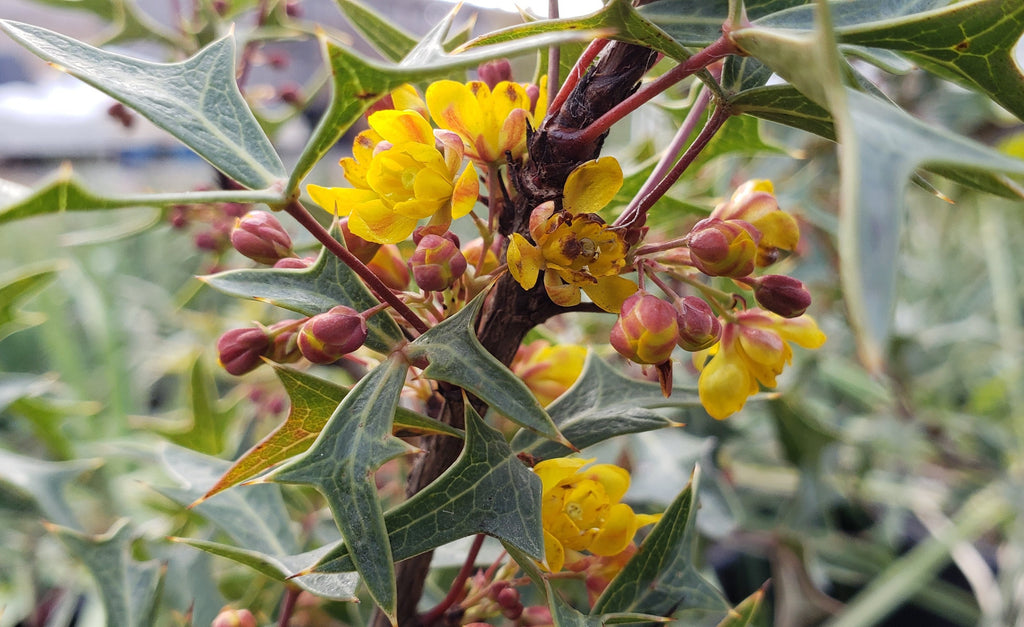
{"x": 436, "y": 612}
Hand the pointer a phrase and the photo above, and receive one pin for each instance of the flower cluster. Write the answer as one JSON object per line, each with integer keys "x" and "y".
{"x": 581, "y": 510}
{"x": 573, "y": 246}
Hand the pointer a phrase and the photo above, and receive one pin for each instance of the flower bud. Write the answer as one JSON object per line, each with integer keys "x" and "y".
{"x": 364, "y": 250}
{"x": 783, "y": 295}
{"x": 239, "y": 350}
{"x": 284, "y": 343}
{"x": 260, "y": 237}
{"x": 646, "y": 329}
{"x": 754, "y": 203}
{"x": 326, "y": 337}
{"x": 437, "y": 263}
{"x": 493, "y": 72}
{"x": 422, "y": 231}
{"x": 508, "y": 598}
{"x": 294, "y": 263}
{"x": 389, "y": 267}
{"x": 723, "y": 248}
{"x": 234, "y": 618}
{"x": 699, "y": 327}
{"x": 472, "y": 251}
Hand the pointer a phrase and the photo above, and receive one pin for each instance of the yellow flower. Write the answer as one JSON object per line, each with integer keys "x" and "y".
{"x": 549, "y": 370}
{"x": 399, "y": 177}
{"x": 754, "y": 350}
{"x": 490, "y": 122}
{"x": 580, "y": 509}
{"x": 576, "y": 248}
{"x": 754, "y": 202}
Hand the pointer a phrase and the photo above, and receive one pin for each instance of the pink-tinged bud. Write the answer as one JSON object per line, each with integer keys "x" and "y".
{"x": 284, "y": 343}
{"x": 537, "y": 615}
{"x": 443, "y": 231}
{"x": 290, "y": 93}
{"x": 208, "y": 241}
{"x": 493, "y": 72}
{"x": 293, "y": 8}
{"x": 234, "y": 618}
{"x": 436, "y": 263}
{"x": 508, "y": 598}
{"x": 646, "y": 329}
{"x": 389, "y": 267}
{"x": 533, "y": 93}
{"x": 239, "y": 350}
{"x": 295, "y": 263}
{"x": 723, "y": 248}
{"x": 364, "y": 250}
{"x": 472, "y": 251}
{"x": 699, "y": 327}
{"x": 234, "y": 209}
{"x": 259, "y": 236}
{"x": 326, "y": 337}
{"x": 781, "y": 294}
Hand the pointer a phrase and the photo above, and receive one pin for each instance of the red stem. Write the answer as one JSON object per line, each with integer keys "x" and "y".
{"x": 381, "y": 291}
{"x": 291, "y": 593}
{"x": 723, "y": 47}
{"x": 435, "y": 613}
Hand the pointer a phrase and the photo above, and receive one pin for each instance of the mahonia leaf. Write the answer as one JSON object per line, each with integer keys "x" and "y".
{"x": 661, "y": 578}
{"x": 286, "y": 568}
{"x": 39, "y": 485}
{"x": 602, "y": 404}
{"x": 747, "y": 612}
{"x": 129, "y": 589}
{"x": 310, "y": 291}
{"x": 359, "y": 83}
{"x": 16, "y": 288}
{"x": 617, "y": 20}
{"x": 487, "y": 490}
{"x": 196, "y": 100}
{"x": 63, "y": 191}
{"x": 313, "y": 401}
{"x": 456, "y": 356}
{"x": 355, "y": 442}
{"x": 391, "y": 41}
{"x": 206, "y": 432}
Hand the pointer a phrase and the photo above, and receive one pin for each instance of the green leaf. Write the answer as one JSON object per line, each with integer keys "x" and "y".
{"x": 456, "y": 356}
{"x": 254, "y": 516}
{"x": 602, "y": 404}
{"x": 487, "y": 490}
{"x": 803, "y": 437}
{"x": 784, "y": 104}
{"x": 47, "y": 417}
{"x": 62, "y": 191}
{"x": 662, "y": 578}
{"x": 744, "y": 614}
{"x": 310, "y": 291}
{"x": 286, "y": 568}
{"x": 617, "y": 20}
{"x": 196, "y": 100}
{"x": 129, "y": 589}
{"x": 206, "y": 432}
{"x": 313, "y": 401}
{"x": 391, "y": 41}
{"x": 358, "y": 83}
{"x": 340, "y": 464}
{"x": 44, "y": 484}
{"x": 14, "y": 289}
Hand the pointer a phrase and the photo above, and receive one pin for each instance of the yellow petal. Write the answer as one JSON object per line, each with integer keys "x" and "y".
{"x": 512, "y": 135}
{"x": 724, "y": 385}
{"x": 803, "y": 331}
{"x": 592, "y": 185}
{"x": 614, "y": 479}
{"x": 454, "y": 107}
{"x": 379, "y": 223}
{"x": 562, "y": 294}
{"x": 642, "y": 520}
{"x": 406, "y": 97}
{"x": 554, "y": 554}
{"x": 609, "y": 292}
{"x": 616, "y": 533}
{"x": 524, "y": 261}
{"x": 467, "y": 191}
{"x": 399, "y": 127}
{"x": 552, "y": 471}
{"x": 340, "y": 200}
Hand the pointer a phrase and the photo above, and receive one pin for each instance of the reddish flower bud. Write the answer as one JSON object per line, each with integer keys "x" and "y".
{"x": 699, "y": 327}
{"x": 239, "y": 350}
{"x": 646, "y": 329}
{"x": 493, "y": 72}
{"x": 295, "y": 263}
{"x": 781, "y": 294}
{"x": 364, "y": 250}
{"x": 508, "y": 598}
{"x": 284, "y": 343}
{"x": 437, "y": 263}
{"x": 260, "y": 237}
{"x": 326, "y": 337}
{"x": 389, "y": 267}
{"x": 234, "y": 618}
{"x": 723, "y": 247}
{"x": 422, "y": 231}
